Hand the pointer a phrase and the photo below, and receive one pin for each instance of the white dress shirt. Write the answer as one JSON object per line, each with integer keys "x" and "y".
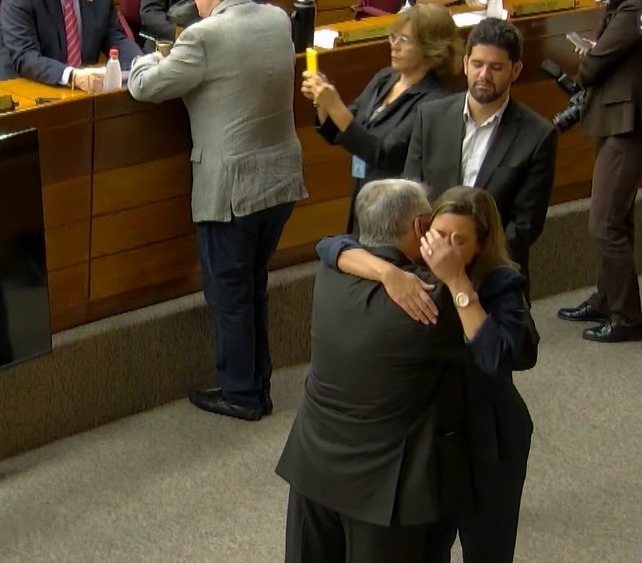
{"x": 477, "y": 139}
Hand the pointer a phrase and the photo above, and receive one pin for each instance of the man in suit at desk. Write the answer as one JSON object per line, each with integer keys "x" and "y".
{"x": 483, "y": 138}
{"x": 234, "y": 70}
{"x": 46, "y": 40}
{"x": 376, "y": 453}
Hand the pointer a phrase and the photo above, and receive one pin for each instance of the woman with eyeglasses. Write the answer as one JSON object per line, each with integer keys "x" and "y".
{"x": 425, "y": 50}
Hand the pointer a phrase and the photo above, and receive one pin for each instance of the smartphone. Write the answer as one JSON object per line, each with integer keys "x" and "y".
{"x": 579, "y": 41}
{"x": 311, "y": 60}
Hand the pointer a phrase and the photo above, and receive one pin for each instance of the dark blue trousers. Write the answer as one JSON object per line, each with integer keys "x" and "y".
{"x": 234, "y": 258}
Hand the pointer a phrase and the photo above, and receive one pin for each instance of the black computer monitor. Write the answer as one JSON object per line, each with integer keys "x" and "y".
{"x": 24, "y": 298}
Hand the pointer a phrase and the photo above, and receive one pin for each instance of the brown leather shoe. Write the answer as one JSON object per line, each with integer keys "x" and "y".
{"x": 583, "y": 312}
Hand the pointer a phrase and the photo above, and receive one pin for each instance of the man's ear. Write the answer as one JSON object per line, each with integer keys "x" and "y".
{"x": 517, "y": 70}
{"x": 465, "y": 62}
{"x": 417, "y": 226}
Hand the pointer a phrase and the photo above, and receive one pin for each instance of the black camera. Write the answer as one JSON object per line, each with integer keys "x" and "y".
{"x": 571, "y": 115}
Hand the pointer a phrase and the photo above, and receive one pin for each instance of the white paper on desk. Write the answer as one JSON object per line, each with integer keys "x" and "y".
{"x": 324, "y": 38}
{"x": 468, "y": 19}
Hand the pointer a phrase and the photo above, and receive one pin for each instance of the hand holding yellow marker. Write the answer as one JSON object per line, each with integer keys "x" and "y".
{"x": 311, "y": 59}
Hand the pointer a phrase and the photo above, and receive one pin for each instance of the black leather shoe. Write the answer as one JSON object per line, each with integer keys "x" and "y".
{"x": 583, "y": 312}
{"x": 266, "y": 403}
{"x": 613, "y": 332}
{"x": 212, "y": 400}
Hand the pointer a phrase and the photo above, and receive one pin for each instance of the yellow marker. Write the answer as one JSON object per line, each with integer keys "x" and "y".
{"x": 311, "y": 59}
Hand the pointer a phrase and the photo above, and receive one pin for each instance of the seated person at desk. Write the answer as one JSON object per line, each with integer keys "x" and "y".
{"x": 375, "y": 128}
{"x": 45, "y": 40}
{"x": 154, "y": 23}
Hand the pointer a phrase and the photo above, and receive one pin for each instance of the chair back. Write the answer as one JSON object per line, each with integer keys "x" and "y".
{"x": 128, "y": 10}
{"x": 367, "y": 8}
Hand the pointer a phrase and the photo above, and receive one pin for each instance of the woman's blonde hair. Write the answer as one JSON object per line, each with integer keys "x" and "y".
{"x": 479, "y": 205}
{"x": 436, "y": 36}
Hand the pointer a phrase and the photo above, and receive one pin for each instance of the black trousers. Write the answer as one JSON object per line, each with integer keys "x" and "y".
{"x": 617, "y": 175}
{"x": 488, "y": 533}
{"x": 316, "y": 534}
{"x": 234, "y": 259}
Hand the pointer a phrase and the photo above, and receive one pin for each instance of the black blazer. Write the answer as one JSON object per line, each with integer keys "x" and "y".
{"x": 382, "y": 392}
{"x": 383, "y": 142}
{"x": 612, "y": 73}
{"x": 33, "y": 42}
{"x": 518, "y": 170}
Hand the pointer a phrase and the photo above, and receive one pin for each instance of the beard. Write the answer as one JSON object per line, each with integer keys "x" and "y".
{"x": 487, "y": 96}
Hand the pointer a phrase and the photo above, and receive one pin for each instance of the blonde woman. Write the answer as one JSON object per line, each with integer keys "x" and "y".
{"x": 425, "y": 50}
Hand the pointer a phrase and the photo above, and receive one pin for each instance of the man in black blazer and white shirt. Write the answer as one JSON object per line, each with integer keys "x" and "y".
{"x": 485, "y": 139}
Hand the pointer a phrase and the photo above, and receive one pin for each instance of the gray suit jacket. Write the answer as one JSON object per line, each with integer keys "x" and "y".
{"x": 376, "y": 436}
{"x": 235, "y": 73}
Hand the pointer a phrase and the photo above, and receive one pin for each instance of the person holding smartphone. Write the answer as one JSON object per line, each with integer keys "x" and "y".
{"x": 611, "y": 71}
{"x": 425, "y": 49}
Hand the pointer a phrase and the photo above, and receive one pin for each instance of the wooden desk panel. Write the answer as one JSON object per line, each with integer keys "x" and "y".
{"x": 142, "y": 184}
{"x": 65, "y": 133}
{"x": 141, "y": 226}
{"x": 127, "y": 132}
{"x": 146, "y": 267}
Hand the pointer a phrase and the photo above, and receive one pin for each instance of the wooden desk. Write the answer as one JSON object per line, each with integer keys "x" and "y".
{"x": 116, "y": 176}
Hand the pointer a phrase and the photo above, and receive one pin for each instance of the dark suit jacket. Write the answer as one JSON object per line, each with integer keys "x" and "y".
{"x": 153, "y": 19}
{"x": 383, "y": 142}
{"x": 33, "y": 42}
{"x": 518, "y": 170}
{"x": 612, "y": 73}
{"x": 498, "y": 423}
{"x": 377, "y": 396}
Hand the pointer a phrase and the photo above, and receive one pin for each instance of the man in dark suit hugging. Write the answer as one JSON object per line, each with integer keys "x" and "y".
{"x": 374, "y": 457}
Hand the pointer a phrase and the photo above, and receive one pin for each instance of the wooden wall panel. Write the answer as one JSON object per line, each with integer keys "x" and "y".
{"x": 326, "y": 167}
{"x": 313, "y": 222}
{"x": 67, "y": 202}
{"x": 143, "y": 267}
{"x": 142, "y": 184}
{"x": 68, "y": 296}
{"x": 65, "y": 152}
{"x": 152, "y": 133}
{"x": 140, "y": 226}
{"x": 67, "y": 245}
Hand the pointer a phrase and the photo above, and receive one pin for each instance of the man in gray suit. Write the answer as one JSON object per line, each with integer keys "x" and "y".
{"x": 234, "y": 70}
{"x": 375, "y": 456}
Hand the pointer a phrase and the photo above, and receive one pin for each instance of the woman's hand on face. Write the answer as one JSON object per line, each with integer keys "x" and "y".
{"x": 411, "y": 294}
{"x": 442, "y": 256}
{"x": 316, "y": 87}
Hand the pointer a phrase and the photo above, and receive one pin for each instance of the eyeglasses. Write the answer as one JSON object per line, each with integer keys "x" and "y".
{"x": 404, "y": 40}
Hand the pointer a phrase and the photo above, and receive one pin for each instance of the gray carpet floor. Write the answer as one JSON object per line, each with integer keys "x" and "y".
{"x": 176, "y": 484}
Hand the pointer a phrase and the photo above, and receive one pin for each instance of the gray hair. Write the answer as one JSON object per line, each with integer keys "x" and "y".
{"x": 385, "y": 210}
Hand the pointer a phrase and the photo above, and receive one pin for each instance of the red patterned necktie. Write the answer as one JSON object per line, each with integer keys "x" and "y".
{"x": 74, "y": 57}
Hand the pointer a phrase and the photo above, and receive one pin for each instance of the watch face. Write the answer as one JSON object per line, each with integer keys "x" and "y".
{"x": 462, "y": 300}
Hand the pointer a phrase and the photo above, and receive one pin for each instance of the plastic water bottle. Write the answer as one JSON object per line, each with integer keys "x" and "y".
{"x": 495, "y": 9}
{"x": 113, "y": 75}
